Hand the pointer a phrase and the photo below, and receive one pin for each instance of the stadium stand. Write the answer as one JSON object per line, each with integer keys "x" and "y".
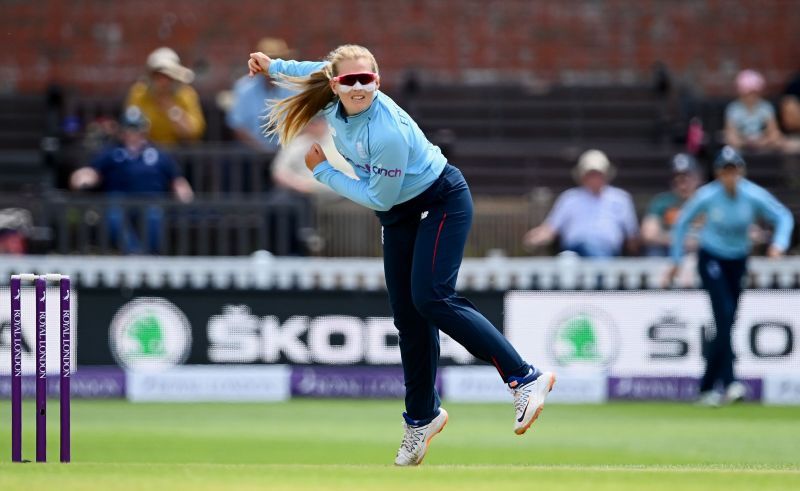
{"x": 515, "y": 145}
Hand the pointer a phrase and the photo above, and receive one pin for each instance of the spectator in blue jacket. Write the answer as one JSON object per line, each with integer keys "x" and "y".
{"x": 134, "y": 168}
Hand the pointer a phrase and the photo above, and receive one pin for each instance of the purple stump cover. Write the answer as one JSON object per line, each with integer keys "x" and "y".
{"x": 41, "y": 369}
{"x": 16, "y": 369}
{"x": 64, "y": 367}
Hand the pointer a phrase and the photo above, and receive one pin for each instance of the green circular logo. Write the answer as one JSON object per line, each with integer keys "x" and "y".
{"x": 150, "y": 334}
{"x": 584, "y": 336}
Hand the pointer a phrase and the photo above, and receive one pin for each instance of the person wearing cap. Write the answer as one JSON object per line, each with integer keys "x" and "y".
{"x": 252, "y": 98}
{"x": 662, "y": 212}
{"x": 750, "y": 122}
{"x": 594, "y": 219}
{"x": 168, "y": 101}
{"x": 730, "y": 205}
{"x": 133, "y": 167}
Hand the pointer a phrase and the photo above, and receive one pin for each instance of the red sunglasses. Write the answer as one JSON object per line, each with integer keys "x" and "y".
{"x": 351, "y": 78}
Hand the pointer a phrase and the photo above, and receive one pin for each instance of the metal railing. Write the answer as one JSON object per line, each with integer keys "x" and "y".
{"x": 499, "y": 223}
{"x": 92, "y": 224}
{"x": 225, "y": 170}
{"x": 264, "y": 271}
{"x": 163, "y": 227}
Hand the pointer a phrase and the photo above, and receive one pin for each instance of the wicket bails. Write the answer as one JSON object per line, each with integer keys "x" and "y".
{"x": 40, "y": 288}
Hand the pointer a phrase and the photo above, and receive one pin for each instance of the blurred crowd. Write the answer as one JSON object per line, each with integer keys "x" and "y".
{"x": 131, "y": 157}
{"x": 596, "y": 219}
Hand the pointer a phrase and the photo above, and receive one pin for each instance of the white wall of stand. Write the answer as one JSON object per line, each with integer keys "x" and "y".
{"x": 264, "y": 272}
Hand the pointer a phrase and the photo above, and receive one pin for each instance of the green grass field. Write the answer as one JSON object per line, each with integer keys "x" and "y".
{"x": 350, "y": 445}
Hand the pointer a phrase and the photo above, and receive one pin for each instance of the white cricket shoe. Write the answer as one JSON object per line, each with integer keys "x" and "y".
{"x": 710, "y": 398}
{"x": 735, "y": 392}
{"x": 417, "y": 439}
{"x": 529, "y": 394}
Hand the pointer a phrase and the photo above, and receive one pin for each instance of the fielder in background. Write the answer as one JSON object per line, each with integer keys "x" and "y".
{"x": 730, "y": 204}
{"x": 425, "y": 208}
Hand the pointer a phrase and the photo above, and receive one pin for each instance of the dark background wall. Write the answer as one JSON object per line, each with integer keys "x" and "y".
{"x": 101, "y": 45}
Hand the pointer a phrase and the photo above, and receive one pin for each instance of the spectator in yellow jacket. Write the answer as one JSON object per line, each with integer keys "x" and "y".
{"x": 168, "y": 101}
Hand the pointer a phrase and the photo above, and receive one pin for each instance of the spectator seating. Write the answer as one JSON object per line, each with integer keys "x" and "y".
{"x": 23, "y": 121}
{"x": 516, "y": 146}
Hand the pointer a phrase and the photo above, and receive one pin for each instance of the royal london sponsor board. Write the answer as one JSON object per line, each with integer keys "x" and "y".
{"x": 210, "y": 383}
{"x": 782, "y": 388}
{"x": 483, "y": 384}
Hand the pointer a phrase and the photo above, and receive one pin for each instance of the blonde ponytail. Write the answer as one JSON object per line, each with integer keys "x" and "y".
{"x": 289, "y": 116}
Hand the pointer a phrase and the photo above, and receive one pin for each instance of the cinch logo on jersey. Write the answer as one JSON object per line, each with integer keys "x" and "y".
{"x": 374, "y": 169}
{"x": 238, "y": 336}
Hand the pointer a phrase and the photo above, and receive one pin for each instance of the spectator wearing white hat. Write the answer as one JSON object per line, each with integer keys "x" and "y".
{"x": 594, "y": 219}
{"x": 750, "y": 122}
{"x": 167, "y": 100}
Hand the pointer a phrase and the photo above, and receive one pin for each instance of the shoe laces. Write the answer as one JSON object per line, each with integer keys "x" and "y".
{"x": 520, "y": 398}
{"x": 412, "y": 438}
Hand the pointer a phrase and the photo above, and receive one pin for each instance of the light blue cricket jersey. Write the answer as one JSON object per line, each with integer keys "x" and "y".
{"x": 390, "y": 155}
{"x": 727, "y": 219}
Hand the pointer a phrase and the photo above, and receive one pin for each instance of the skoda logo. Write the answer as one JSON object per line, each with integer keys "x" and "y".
{"x": 583, "y": 337}
{"x": 150, "y": 334}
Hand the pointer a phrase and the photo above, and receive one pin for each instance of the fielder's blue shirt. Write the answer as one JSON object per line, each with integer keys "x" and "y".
{"x": 728, "y": 218}
{"x": 391, "y": 157}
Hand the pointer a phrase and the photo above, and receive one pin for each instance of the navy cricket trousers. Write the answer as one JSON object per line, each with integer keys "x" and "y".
{"x": 722, "y": 279}
{"x": 423, "y": 245}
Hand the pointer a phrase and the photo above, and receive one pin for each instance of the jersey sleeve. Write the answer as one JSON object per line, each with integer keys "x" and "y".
{"x": 657, "y": 206}
{"x": 558, "y": 216}
{"x": 777, "y": 214}
{"x": 388, "y": 163}
{"x": 189, "y": 101}
{"x": 630, "y": 224}
{"x": 136, "y": 94}
{"x": 295, "y": 68}
{"x": 235, "y": 117}
{"x": 101, "y": 161}
{"x": 768, "y": 110}
{"x": 696, "y": 205}
{"x": 169, "y": 166}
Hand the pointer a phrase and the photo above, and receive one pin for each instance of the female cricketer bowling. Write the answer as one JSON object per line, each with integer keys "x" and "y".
{"x": 730, "y": 205}
{"x": 425, "y": 209}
